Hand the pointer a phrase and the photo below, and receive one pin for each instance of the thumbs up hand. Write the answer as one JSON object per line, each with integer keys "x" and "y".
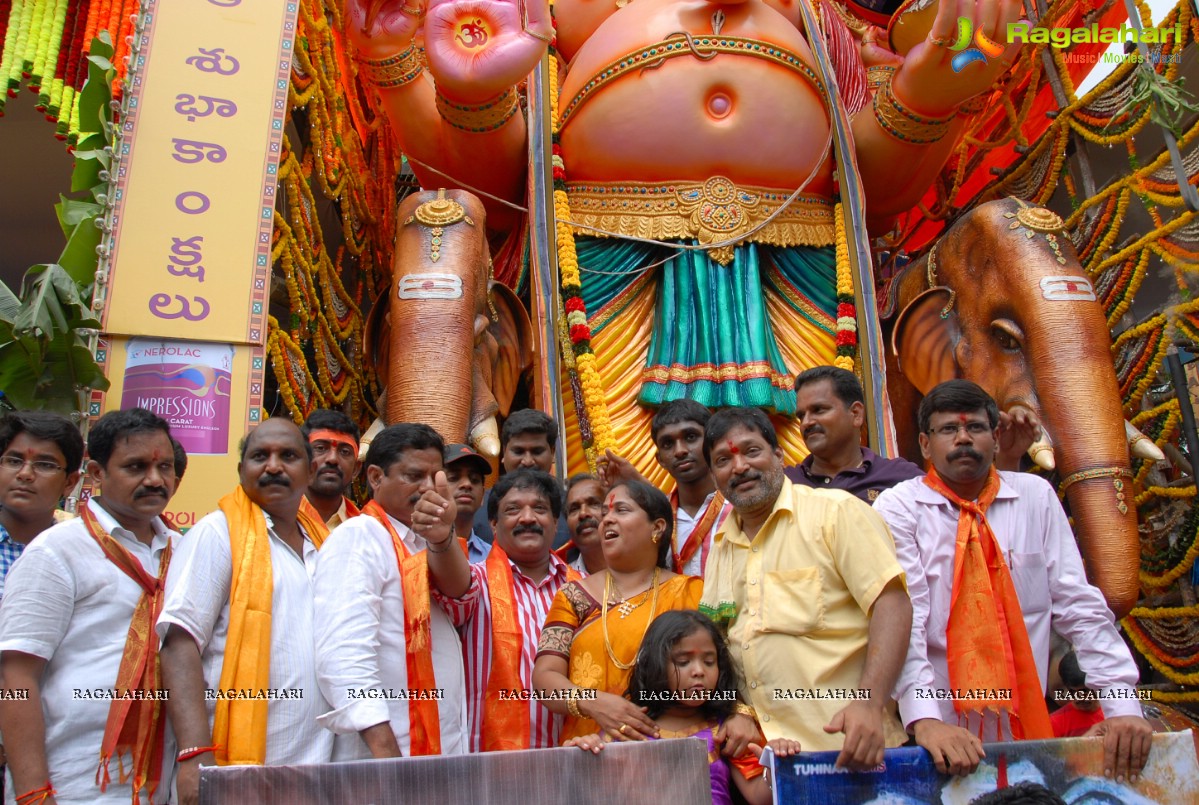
{"x": 434, "y": 514}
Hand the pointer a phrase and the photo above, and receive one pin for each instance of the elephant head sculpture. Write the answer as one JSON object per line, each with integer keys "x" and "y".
{"x": 451, "y": 342}
{"x": 1002, "y": 300}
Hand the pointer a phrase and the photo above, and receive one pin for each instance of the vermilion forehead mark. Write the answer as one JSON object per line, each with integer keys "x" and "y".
{"x": 156, "y": 455}
{"x": 732, "y": 447}
{"x": 611, "y": 499}
{"x": 962, "y": 418}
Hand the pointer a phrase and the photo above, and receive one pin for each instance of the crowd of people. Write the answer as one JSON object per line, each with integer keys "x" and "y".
{"x": 851, "y": 603}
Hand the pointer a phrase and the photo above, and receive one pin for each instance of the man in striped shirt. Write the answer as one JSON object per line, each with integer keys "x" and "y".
{"x": 500, "y": 605}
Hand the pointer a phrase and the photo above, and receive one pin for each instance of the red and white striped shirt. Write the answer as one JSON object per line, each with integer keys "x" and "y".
{"x": 472, "y": 615}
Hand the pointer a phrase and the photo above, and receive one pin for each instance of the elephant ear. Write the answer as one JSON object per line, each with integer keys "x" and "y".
{"x": 376, "y": 335}
{"x": 924, "y": 338}
{"x": 513, "y": 334}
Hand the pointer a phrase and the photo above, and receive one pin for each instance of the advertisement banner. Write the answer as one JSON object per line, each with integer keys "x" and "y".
{"x": 195, "y": 186}
{"x": 1072, "y": 768}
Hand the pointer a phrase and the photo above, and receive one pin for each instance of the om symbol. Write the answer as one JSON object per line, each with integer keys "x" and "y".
{"x": 472, "y": 34}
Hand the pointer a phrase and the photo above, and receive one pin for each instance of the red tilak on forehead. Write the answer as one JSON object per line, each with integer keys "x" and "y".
{"x": 156, "y": 456}
{"x": 611, "y": 499}
{"x": 732, "y": 447}
{"x": 30, "y": 455}
{"x": 962, "y": 419}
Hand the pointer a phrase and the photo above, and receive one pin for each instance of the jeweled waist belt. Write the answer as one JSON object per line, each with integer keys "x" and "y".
{"x": 706, "y": 212}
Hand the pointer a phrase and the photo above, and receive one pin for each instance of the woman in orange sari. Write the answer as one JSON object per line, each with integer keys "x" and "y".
{"x": 594, "y": 627}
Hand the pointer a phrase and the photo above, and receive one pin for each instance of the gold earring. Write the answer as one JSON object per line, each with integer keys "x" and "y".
{"x": 657, "y": 537}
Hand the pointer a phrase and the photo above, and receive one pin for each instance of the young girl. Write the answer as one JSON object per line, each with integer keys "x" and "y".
{"x": 685, "y": 678}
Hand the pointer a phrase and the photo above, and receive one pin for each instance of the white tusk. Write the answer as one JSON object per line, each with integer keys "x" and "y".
{"x": 486, "y": 438}
{"x": 1041, "y": 452}
{"x": 1140, "y": 445}
{"x": 369, "y": 436}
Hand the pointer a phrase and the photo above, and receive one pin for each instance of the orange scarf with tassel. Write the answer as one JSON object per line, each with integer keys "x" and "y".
{"x": 239, "y": 726}
{"x": 424, "y": 723}
{"x": 134, "y": 725}
{"x": 506, "y": 723}
{"x": 696, "y": 538}
{"x": 987, "y": 644}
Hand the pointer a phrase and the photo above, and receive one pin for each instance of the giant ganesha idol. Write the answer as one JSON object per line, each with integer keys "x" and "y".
{"x": 684, "y": 122}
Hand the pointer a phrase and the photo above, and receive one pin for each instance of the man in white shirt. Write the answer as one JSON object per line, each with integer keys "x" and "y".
{"x": 389, "y": 698}
{"x": 244, "y": 568}
{"x": 501, "y": 604}
{"x": 584, "y": 510}
{"x": 964, "y": 506}
{"x": 72, "y": 605}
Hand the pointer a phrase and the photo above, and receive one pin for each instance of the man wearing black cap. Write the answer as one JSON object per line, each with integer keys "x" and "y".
{"x": 464, "y": 471}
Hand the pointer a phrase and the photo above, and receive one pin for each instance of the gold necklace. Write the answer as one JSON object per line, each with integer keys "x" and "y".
{"x": 604, "y": 619}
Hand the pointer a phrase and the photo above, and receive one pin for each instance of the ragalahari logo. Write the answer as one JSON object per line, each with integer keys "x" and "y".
{"x": 983, "y": 46}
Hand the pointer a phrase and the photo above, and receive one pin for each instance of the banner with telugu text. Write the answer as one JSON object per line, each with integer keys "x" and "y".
{"x": 195, "y": 182}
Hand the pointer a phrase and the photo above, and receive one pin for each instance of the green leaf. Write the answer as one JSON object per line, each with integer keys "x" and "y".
{"x": 94, "y": 98}
{"x": 10, "y": 304}
{"x": 79, "y": 256}
{"x": 72, "y": 212}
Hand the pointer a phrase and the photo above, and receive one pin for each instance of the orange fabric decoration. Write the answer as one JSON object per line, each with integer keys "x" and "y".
{"x": 987, "y": 643}
{"x": 424, "y": 724}
{"x": 505, "y": 718}
{"x": 135, "y": 726}
{"x": 696, "y": 538}
{"x": 314, "y": 524}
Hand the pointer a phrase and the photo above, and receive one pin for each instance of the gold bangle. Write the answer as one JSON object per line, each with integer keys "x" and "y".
{"x": 905, "y": 125}
{"x": 479, "y": 118}
{"x": 394, "y": 71}
{"x": 416, "y": 13}
{"x": 572, "y": 704}
{"x": 878, "y": 75}
{"x": 743, "y": 709}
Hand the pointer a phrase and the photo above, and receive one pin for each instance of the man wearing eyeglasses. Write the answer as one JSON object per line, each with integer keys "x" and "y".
{"x": 40, "y": 456}
{"x": 992, "y": 568}
{"x": 334, "y": 438}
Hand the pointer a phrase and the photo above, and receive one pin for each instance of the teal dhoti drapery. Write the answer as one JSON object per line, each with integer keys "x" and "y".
{"x": 712, "y": 338}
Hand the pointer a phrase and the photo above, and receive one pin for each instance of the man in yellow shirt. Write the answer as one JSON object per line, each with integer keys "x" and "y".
{"x": 807, "y": 583}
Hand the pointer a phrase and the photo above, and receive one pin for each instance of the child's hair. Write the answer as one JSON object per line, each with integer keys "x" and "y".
{"x": 651, "y": 672}
{"x": 1071, "y": 673}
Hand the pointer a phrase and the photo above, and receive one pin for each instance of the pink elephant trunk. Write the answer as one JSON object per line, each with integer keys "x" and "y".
{"x": 438, "y": 282}
{"x": 1086, "y": 422}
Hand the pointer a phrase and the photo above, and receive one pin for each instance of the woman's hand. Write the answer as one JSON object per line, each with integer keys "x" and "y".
{"x": 619, "y": 718}
{"x": 736, "y": 735}
{"x": 588, "y": 743}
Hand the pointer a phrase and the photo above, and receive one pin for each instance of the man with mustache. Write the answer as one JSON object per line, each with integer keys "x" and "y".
{"x": 831, "y": 409}
{"x": 334, "y": 438}
{"x": 584, "y": 508}
{"x": 465, "y": 471}
{"x": 528, "y": 441}
{"x": 805, "y": 580}
{"x": 77, "y": 623}
{"x": 237, "y": 623}
{"x": 699, "y": 508}
{"x": 500, "y": 606}
{"x": 993, "y": 568}
{"x": 388, "y": 661}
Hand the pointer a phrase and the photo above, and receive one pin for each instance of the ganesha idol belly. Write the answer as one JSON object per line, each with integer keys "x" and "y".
{"x": 694, "y": 122}
{"x": 744, "y": 104}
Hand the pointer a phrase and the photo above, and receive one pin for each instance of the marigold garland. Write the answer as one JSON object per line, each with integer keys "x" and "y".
{"x": 847, "y": 314}
{"x": 578, "y": 331}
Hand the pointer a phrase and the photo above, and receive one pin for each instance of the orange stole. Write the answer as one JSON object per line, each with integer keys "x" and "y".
{"x": 424, "y": 723}
{"x": 987, "y": 646}
{"x": 308, "y": 510}
{"x": 696, "y": 538}
{"x": 505, "y": 722}
{"x": 134, "y": 726}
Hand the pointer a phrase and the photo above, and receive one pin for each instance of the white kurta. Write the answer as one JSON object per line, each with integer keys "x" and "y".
{"x": 361, "y": 661}
{"x": 197, "y": 600}
{"x": 1047, "y": 571}
{"x": 65, "y": 602}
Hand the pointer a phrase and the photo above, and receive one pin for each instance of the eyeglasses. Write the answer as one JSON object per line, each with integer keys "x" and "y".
{"x": 16, "y": 464}
{"x": 973, "y": 429}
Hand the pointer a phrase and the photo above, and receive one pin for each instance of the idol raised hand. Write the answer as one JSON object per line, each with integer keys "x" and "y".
{"x": 965, "y": 51}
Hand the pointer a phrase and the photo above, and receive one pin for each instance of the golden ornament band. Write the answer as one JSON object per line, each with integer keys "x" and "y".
{"x": 878, "y": 75}
{"x": 1093, "y": 473}
{"x": 975, "y": 105}
{"x": 416, "y": 13}
{"x": 479, "y": 118}
{"x": 394, "y": 71}
{"x": 905, "y": 125}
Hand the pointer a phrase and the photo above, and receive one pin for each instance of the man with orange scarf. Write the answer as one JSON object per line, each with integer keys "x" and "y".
{"x": 334, "y": 438}
{"x": 992, "y": 565}
{"x": 388, "y": 661}
{"x": 76, "y": 629}
{"x": 237, "y": 653}
{"x": 500, "y": 604}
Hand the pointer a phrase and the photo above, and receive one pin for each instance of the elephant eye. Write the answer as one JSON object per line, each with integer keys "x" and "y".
{"x": 1008, "y": 334}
